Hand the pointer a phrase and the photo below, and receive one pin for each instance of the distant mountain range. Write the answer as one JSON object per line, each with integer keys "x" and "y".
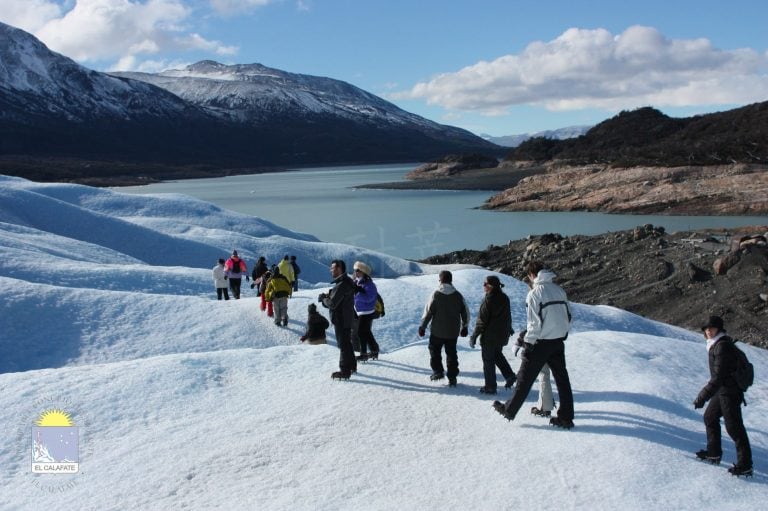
{"x": 558, "y": 134}
{"x": 205, "y": 114}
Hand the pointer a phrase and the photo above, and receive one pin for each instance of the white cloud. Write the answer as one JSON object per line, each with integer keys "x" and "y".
{"x": 124, "y": 31}
{"x": 28, "y": 15}
{"x": 594, "y": 69}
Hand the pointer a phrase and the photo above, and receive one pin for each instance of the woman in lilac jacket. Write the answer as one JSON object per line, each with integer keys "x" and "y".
{"x": 365, "y": 307}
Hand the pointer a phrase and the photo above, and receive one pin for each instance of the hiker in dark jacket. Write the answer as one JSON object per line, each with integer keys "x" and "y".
{"x": 340, "y": 302}
{"x": 449, "y": 315}
{"x": 493, "y": 328}
{"x": 725, "y": 399}
{"x": 316, "y": 326}
{"x": 259, "y": 269}
{"x": 296, "y": 271}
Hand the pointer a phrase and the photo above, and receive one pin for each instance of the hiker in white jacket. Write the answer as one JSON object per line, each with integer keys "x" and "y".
{"x": 548, "y": 322}
{"x": 220, "y": 280}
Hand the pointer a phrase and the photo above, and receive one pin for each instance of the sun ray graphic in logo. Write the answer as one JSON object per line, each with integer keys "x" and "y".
{"x": 54, "y": 418}
{"x": 55, "y": 444}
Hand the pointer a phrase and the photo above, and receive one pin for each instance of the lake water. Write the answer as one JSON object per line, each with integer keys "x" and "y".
{"x": 407, "y": 223}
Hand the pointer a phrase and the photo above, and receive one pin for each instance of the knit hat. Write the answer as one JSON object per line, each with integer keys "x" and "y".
{"x": 311, "y": 308}
{"x": 714, "y": 322}
{"x": 362, "y": 267}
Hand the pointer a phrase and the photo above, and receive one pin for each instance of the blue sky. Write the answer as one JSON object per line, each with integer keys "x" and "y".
{"x": 491, "y": 66}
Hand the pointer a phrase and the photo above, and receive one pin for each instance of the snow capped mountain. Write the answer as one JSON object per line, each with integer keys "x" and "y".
{"x": 219, "y": 116}
{"x": 254, "y": 93}
{"x": 558, "y": 134}
{"x": 35, "y": 80}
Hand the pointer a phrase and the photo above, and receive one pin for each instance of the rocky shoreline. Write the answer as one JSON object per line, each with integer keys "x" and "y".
{"x": 677, "y": 278}
{"x": 736, "y": 189}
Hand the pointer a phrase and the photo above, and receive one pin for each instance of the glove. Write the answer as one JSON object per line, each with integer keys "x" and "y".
{"x": 698, "y": 403}
{"x": 226, "y": 278}
{"x": 303, "y": 338}
{"x": 422, "y": 332}
{"x": 321, "y": 297}
{"x": 248, "y": 279}
{"x": 464, "y": 332}
{"x": 528, "y": 349}
{"x": 521, "y": 338}
{"x": 472, "y": 342}
{"x": 252, "y": 285}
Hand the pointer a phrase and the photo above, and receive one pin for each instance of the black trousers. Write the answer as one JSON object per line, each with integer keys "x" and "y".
{"x": 727, "y": 406}
{"x": 347, "y": 361}
{"x": 364, "y": 333}
{"x": 222, "y": 291}
{"x": 543, "y": 352}
{"x": 493, "y": 357}
{"x": 234, "y": 285}
{"x": 436, "y": 346}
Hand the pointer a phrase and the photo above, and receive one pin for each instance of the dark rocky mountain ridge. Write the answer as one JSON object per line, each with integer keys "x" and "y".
{"x": 648, "y": 137}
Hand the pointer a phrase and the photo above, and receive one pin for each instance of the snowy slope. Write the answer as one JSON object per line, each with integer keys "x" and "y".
{"x": 183, "y": 402}
{"x": 36, "y": 80}
{"x": 254, "y": 93}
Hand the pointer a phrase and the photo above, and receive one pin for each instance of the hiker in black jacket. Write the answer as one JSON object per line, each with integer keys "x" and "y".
{"x": 725, "y": 399}
{"x": 340, "y": 302}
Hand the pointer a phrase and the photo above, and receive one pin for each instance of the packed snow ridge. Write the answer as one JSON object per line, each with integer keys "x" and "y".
{"x": 183, "y": 401}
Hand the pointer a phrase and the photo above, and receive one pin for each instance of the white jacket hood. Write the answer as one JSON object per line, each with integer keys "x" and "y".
{"x": 548, "y": 315}
{"x": 544, "y": 276}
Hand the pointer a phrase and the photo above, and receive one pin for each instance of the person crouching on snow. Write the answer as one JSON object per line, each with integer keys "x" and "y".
{"x": 316, "y": 326}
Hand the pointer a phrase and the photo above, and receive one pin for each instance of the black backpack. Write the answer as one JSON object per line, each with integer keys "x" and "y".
{"x": 744, "y": 374}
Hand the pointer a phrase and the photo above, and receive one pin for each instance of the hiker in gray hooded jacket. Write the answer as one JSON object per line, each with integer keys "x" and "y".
{"x": 449, "y": 315}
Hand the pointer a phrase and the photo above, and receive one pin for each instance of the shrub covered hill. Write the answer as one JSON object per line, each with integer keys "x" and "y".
{"x": 648, "y": 137}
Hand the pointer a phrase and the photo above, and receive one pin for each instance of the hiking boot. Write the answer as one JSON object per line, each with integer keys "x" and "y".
{"x": 362, "y": 357}
{"x": 451, "y": 381}
{"x": 703, "y": 455}
{"x": 285, "y": 322}
{"x": 486, "y": 390}
{"x": 341, "y": 375}
{"x": 540, "y": 413}
{"x": 561, "y": 423}
{"x": 510, "y": 382}
{"x": 437, "y": 376}
{"x": 741, "y": 470}
{"x": 499, "y": 407}
{"x": 374, "y": 355}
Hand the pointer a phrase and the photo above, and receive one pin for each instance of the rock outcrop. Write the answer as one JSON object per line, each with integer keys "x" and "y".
{"x": 739, "y": 189}
{"x": 451, "y": 165}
